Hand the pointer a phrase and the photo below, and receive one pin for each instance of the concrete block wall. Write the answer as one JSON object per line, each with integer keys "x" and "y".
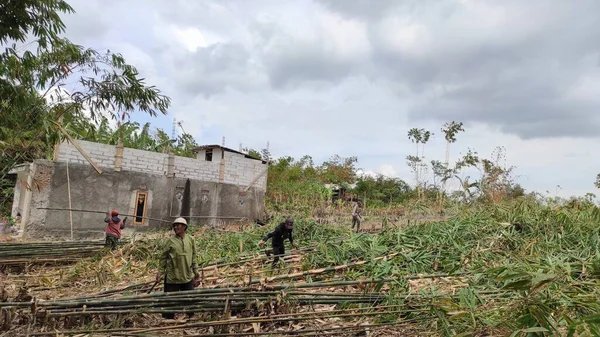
{"x": 102, "y": 154}
{"x": 144, "y": 161}
{"x": 242, "y": 171}
{"x": 196, "y": 169}
{"x": 238, "y": 169}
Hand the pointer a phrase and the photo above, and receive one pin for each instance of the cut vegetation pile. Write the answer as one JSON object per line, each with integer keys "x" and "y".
{"x": 15, "y": 253}
{"x": 517, "y": 268}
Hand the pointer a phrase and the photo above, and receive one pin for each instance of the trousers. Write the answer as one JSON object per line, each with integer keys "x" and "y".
{"x": 171, "y": 287}
{"x": 356, "y": 222}
{"x": 111, "y": 241}
{"x": 277, "y": 250}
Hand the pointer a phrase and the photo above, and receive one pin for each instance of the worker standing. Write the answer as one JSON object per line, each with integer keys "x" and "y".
{"x": 279, "y": 234}
{"x": 356, "y": 216}
{"x": 178, "y": 262}
{"x": 113, "y": 229}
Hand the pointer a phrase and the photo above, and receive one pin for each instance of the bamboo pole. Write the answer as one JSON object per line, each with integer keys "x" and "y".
{"x": 37, "y": 252}
{"x": 69, "y": 195}
{"x": 136, "y": 331}
{"x": 254, "y": 320}
{"x": 332, "y": 331}
{"x": 78, "y": 147}
{"x": 144, "y": 217}
{"x": 100, "y": 212}
{"x": 318, "y": 271}
{"x": 256, "y": 258}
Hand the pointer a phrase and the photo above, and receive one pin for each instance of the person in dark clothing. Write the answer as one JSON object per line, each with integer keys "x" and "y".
{"x": 278, "y": 235}
{"x": 113, "y": 229}
{"x": 356, "y": 215}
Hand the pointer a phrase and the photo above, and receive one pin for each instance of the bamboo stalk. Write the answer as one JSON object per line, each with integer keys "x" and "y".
{"x": 80, "y": 149}
{"x": 256, "y": 258}
{"x": 100, "y": 212}
{"x": 265, "y": 320}
{"x": 308, "y": 332}
{"x": 69, "y": 196}
{"x": 229, "y": 290}
{"x": 318, "y": 271}
{"x": 136, "y": 332}
{"x": 240, "y": 321}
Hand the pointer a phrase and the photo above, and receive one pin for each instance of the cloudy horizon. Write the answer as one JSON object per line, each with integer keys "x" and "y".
{"x": 351, "y": 77}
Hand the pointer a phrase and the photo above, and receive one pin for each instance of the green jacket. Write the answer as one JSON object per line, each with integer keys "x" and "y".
{"x": 178, "y": 259}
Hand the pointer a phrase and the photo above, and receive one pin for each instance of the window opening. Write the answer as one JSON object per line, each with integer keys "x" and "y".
{"x": 208, "y": 155}
{"x": 141, "y": 199}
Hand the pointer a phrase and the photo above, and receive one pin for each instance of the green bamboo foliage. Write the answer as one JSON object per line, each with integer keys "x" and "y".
{"x": 523, "y": 267}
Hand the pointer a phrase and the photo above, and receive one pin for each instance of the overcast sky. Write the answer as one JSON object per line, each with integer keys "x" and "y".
{"x": 350, "y": 77}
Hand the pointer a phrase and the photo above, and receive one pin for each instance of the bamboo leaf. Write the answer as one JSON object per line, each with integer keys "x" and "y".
{"x": 535, "y": 329}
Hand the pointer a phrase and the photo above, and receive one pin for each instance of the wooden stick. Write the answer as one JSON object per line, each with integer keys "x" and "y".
{"x": 99, "y": 212}
{"x": 78, "y": 147}
{"x": 319, "y": 271}
{"x": 69, "y": 194}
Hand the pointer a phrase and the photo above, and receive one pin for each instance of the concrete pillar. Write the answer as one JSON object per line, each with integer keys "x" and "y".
{"x": 119, "y": 156}
{"x": 214, "y": 209}
{"x": 222, "y": 167}
{"x": 16, "y": 206}
{"x": 27, "y": 198}
{"x": 171, "y": 166}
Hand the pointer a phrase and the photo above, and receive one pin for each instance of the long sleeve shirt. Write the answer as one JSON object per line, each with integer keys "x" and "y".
{"x": 114, "y": 226}
{"x": 356, "y": 211}
{"x": 279, "y": 234}
{"x": 178, "y": 259}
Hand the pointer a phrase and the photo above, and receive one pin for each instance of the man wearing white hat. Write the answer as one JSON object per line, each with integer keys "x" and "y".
{"x": 178, "y": 262}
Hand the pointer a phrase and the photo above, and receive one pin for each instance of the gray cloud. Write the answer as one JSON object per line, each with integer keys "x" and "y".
{"x": 94, "y": 24}
{"x": 292, "y": 63}
{"x": 366, "y": 9}
{"x": 214, "y": 68}
{"x": 525, "y": 67}
{"x": 513, "y": 65}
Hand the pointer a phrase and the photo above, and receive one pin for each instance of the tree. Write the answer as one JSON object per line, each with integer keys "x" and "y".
{"x": 338, "y": 170}
{"x": 425, "y": 136}
{"x": 382, "y": 190}
{"x": 450, "y": 131}
{"x": 35, "y": 109}
{"x": 418, "y": 136}
{"x": 515, "y": 191}
{"x": 440, "y": 171}
{"x": 495, "y": 182}
{"x": 265, "y": 155}
{"x": 252, "y": 153}
{"x": 185, "y": 144}
{"x": 415, "y": 136}
{"x": 470, "y": 159}
{"x": 40, "y": 17}
{"x": 293, "y": 184}
{"x": 597, "y": 182}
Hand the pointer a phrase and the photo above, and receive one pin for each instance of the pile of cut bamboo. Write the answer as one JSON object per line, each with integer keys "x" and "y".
{"x": 242, "y": 306}
{"x": 13, "y": 253}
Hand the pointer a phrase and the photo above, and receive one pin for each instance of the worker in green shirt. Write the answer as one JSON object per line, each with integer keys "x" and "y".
{"x": 178, "y": 262}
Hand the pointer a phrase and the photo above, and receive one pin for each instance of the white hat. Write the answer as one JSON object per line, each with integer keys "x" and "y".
{"x": 180, "y": 220}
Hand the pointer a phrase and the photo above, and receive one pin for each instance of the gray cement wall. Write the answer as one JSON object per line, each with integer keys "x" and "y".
{"x": 238, "y": 169}
{"x": 212, "y": 201}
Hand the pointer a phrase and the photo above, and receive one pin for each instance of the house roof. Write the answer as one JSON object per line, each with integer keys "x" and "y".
{"x": 210, "y": 147}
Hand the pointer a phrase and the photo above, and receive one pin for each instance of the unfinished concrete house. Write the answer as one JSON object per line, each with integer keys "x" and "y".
{"x": 220, "y": 185}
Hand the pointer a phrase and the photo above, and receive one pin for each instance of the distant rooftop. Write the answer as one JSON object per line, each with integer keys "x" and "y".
{"x": 210, "y": 147}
